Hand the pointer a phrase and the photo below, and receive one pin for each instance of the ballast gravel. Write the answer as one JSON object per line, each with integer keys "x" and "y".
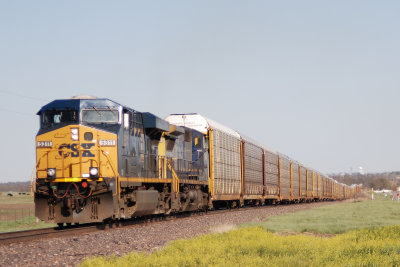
{"x": 72, "y": 250}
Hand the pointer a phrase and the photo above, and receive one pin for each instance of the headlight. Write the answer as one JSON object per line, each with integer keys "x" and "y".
{"x": 51, "y": 173}
{"x": 74, "y": 134}
{"x": 94, "y": 171}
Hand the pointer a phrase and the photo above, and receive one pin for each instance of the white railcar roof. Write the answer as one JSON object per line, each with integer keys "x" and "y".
{"x": 254, "y": 142}
{"x": 199, "y": 123}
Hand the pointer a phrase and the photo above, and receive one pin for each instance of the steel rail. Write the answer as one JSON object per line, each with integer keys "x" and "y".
{"x": 52, "y": 232}
{"x": 35, "y": 234}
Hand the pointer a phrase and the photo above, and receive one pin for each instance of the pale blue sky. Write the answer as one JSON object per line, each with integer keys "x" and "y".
{"x": 316, "y": 80}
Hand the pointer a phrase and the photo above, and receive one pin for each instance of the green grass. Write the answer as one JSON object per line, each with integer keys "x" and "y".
{"x": 23, "y": 224}
{"x": 337, "y": 218}
{"x": 256, "y": 247}
{"x": 15, "y": 214}
{"x": 16, "y": 199}
{"x": 371, "y": 245}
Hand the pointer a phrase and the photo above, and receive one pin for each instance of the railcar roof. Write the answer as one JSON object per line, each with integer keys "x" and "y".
{"x": 199, "y": 123}
{"x": 254, "y": 142}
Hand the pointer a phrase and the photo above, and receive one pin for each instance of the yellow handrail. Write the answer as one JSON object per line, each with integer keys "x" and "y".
{"x": 33, "y": 187}
{"x": 175, "y": 178}
{"x": 116, "y": 174}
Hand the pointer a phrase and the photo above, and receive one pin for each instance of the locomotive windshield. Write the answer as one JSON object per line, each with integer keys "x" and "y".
{"x": 51, "y": 117}
{"x": 96, "y": 115}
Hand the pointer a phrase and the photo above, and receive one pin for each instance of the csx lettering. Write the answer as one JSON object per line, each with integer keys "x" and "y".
{"x": 74, "y": 152}
{"x": 87, "y": 153}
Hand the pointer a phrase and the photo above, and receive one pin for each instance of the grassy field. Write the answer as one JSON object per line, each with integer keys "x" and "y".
{"x": 256, "y": 247}
{"x": 337, "y": 218}
{"x": 15, "y": 200}
{"x": 23, "y": 224}
{"x": 17, "y": 213}
{"x": 371, "y": 245}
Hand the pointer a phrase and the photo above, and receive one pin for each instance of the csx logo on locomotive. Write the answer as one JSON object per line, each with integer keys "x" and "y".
{"x": 74, "y": 150}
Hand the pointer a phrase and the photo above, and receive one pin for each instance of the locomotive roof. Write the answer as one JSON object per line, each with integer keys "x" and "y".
{"x": 79, "y": 104}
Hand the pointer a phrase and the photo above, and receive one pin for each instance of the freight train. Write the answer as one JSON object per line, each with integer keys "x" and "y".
{"x": 98, "y": 160}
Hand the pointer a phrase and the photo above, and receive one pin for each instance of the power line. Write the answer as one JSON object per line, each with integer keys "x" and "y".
{"x": 24, "y": 96}
{"x": 16, "y": 112}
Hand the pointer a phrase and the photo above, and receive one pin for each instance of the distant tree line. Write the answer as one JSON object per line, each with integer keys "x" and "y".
{"x": 15, "y": 187}
{"x": 378, "y": 181}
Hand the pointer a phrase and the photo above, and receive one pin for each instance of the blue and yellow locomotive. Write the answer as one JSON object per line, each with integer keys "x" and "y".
{"x": 97, "y": 159}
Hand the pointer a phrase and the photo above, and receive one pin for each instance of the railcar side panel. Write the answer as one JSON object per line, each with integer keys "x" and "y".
{"x": 271, "y": 173}
{"x": 315, "y": 184}
{"x": 227, "y": 174}
{"x": 285, "y": 177}
{"x": 253, "y": 169}
{"x": 309, "y": 183}
{"x": 295, "y": 180}
{"x": 319, "y": 186}
{"x": 303, "y": 173}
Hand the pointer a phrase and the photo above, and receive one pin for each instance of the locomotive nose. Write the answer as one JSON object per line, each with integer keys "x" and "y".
{"x": 71, "y": 153}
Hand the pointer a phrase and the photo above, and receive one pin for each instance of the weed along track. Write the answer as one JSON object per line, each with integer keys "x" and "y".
{"x": 72, "y": 249}
{"x": 340, "y": 235}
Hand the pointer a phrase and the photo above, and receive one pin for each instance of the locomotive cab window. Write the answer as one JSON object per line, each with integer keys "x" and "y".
{"x": 96, "y": 115}
{"x": 59, "y": 116}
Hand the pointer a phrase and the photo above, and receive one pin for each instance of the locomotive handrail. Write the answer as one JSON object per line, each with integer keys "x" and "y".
{"x": 175, "y": 178}
{"x": 33, "y": 184}
{"x": 116, "y": 175}
{"x": 162, "y": 167}
{"x": 183, "y": 168}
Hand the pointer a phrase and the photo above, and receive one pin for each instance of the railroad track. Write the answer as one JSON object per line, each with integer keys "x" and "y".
{"x": 30, "y": 235}
{"x": 35, "y": 234}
